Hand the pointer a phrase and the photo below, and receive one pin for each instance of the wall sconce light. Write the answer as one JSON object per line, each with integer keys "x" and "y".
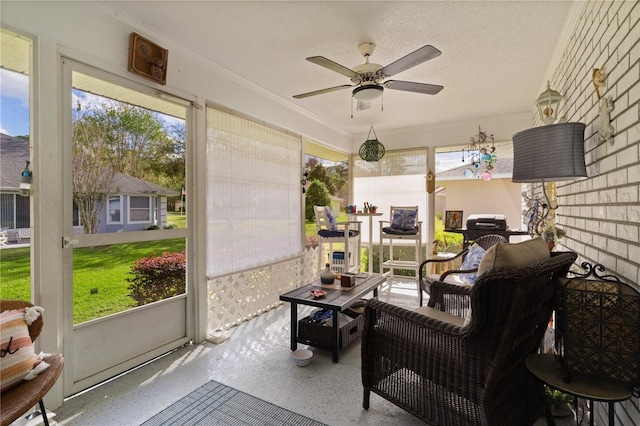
{"x": 371, "y": 149}
{"x": 548, "y": 104}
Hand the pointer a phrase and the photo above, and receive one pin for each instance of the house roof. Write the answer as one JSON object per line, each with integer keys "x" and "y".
{"x": 14, "y": 153}
{"x": 502, "y": 170}
{"x": 126, "y": 184}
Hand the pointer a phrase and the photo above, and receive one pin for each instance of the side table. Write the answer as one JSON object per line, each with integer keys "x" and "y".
{"x": 444, "y": 265}
{"x": 547, "y": 369}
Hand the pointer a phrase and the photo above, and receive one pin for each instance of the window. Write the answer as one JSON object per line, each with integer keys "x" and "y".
{"x": 253, "y": 194}
{"x": 139, "y": 209}
{"x": 398, "y": 179}
{"x": 115, "y": 210}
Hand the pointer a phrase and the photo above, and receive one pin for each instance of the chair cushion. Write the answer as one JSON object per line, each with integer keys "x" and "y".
{"x": 472, "y": 261}
{"x": 336, "y": 234}
{"x": 449, "y": 279}
{"x": 439, "y": 315}
{"x": 525, "y": 253}
{"x": 331, "y": 226}
{"x": 396, "y": 231}
{"x": 499, "y": 255}
{"x": 404, "y": 220}
{"x": 19, "y": 360}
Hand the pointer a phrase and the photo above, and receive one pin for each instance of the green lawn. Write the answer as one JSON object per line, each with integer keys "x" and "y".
{"x": 175, "y": 218}
{"x": 99, "y": 279}
{"x": 100, "y": 273}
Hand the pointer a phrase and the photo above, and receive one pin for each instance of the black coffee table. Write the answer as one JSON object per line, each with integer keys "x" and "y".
{"x": 337, "y": 300}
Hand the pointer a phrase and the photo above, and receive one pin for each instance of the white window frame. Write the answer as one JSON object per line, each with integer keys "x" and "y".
{"x": 149, "y": 209}
{"x": 120, "y": 200}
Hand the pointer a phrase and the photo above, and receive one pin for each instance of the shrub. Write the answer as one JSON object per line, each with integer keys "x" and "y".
{"x": 152, "y": 228}
{"x": 157, "y": 278}
{"x": 317, "y": 194}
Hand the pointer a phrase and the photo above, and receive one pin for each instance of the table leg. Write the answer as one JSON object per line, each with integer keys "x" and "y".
{"x": 294, "y": 326}
{"x": 612, "y": 414}
{"x": 370, "y": 245}
{"x": 335, "y": 344}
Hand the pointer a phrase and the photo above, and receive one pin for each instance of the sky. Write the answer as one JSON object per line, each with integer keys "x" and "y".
{"x": 14, "y": 103}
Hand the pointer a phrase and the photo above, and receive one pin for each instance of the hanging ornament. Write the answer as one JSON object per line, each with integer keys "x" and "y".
{"x": 372, "y": 149}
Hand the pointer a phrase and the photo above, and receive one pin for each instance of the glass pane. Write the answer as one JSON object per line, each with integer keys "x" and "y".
{"x": 114, "y": 209}
{"x": 125, "y": 143}
{"x": 139, "y": 202}
{"x": 139, "y": 215}
{"x": 111, "y": 279}
{"x": 15, "y": 213}
{"x": 126, "y": 146}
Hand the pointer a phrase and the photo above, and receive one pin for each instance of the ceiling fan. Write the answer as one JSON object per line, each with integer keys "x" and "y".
{"x": 368, "y": 77}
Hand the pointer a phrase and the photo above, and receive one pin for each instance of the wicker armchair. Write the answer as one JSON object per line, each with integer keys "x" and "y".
{"x": 437, "y": 288}
{"x": 475, "y": 374}
{"x": 19, "y": 399}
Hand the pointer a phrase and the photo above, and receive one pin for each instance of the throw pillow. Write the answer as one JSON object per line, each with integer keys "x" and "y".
{"x": 524, "y": 253}
{"x": 16, "y": 348}
{"x": 404, "y": 220}
{"x": 331, "y": 226}
{"x": 472, "y": 261}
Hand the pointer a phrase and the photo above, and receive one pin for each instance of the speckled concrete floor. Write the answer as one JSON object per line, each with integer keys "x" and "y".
{"x": 254, "y": 359}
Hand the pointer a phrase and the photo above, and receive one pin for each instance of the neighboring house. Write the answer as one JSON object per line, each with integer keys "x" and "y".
{"x": 473, "y": 195}
{"x": 134, "y": 205}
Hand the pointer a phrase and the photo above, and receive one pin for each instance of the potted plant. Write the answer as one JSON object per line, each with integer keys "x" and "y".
{"x": 559, "y": 402}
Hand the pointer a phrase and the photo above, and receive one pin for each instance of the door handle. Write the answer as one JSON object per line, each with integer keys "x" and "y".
{"x": 67, "y": 242}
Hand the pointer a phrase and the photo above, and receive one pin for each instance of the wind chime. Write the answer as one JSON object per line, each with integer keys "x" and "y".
{"x": 480, "y": 154}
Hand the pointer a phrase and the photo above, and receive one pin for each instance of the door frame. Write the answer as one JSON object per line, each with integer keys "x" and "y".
{"x": 96, "y": 340}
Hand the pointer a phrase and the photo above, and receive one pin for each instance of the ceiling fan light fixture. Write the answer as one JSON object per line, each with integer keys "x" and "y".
{"x": 367, "y": 93}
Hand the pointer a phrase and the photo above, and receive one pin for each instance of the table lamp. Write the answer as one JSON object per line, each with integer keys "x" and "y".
{"x": 549, "y": 154}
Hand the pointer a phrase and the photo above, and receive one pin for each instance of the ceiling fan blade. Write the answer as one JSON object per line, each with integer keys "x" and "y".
{"x": 362, "y": 105}
{"x": 333, "y": 66}
{"x": 321, "y": 91}
{"x": 411, "y": 60}
{"x": 409, "y": 86}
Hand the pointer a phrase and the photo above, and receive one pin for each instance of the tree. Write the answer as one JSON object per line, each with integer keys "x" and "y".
{"x": 136, "y": 136}
{"x": 339, "y": 176}
{"x": 319, "y": 172}
{"x": 317, "y": 195}
{"x": 116, "y": 137}
{"x": 92, "y": 174}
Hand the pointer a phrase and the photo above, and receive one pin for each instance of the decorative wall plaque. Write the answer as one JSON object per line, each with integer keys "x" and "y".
{"x": 147, "y": 59}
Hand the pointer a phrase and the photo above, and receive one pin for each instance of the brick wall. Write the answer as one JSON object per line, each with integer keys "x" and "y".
{"x": 601, "y": 214}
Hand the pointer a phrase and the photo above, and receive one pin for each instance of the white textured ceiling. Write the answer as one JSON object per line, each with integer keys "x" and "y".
{"x": 494, "y": 53}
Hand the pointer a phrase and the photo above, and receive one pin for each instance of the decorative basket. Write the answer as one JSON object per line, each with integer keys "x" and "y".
{"x": 319, "y": 335}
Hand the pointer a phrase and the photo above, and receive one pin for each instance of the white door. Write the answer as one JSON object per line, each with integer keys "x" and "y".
{"x": 126, "y": 298}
